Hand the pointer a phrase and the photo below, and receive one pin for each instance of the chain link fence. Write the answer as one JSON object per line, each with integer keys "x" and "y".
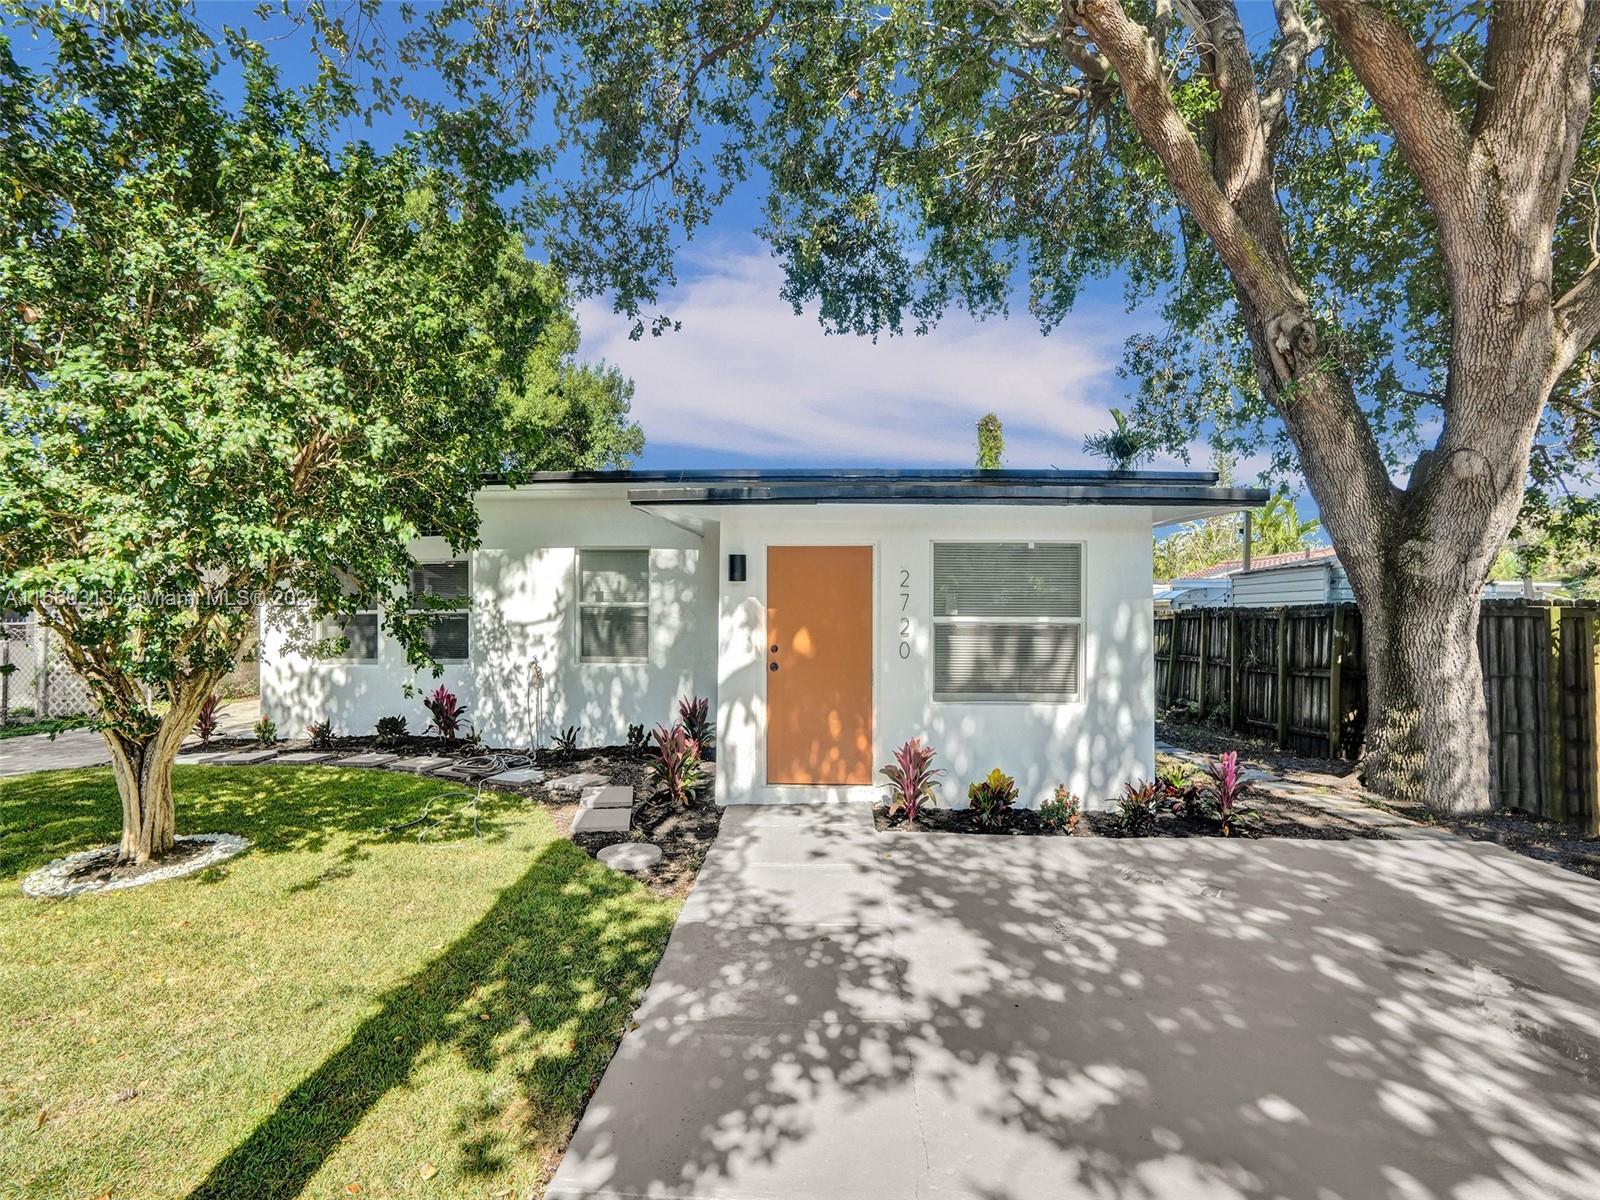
{"x": 36, "y": 683}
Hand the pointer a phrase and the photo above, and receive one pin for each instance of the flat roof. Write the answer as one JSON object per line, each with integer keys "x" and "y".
{"x": 880, "y": 485}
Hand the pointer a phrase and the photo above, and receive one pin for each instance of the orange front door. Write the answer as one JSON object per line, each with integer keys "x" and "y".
{"x": 819, "y": 664}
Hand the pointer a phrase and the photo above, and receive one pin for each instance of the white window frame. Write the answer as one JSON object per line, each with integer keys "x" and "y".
{"x": 463, "y": 608}
{"x": 1075, "y": 696}
{"x": 577, "y": 591}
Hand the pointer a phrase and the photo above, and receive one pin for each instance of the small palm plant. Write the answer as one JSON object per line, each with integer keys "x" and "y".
{"x": 447, "y": 712}
{"x": 912, "y": 779}
{"x": 1227, "y": 788}
{"x": 675, "y": 769}
{"x": 1124, "y": 445}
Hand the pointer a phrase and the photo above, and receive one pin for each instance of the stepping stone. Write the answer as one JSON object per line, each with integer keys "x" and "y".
{"x": 304, "y": 758}
{"x": 602, "y": 820}
{"x": 630, "y": 856}
{"x": 421, "y": 764}
{"x": 242, "y": 758}
{"x": 521, "y": 775}
{"x": 370, "y": 759}
{"x": 616, "y": 796}
{"x": 578, "y": 782}
{"x": 191, "y": 757}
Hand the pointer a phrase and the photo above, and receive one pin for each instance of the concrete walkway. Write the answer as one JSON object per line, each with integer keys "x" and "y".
{"x": 845, "y": 1014}
{"x": 86, "y": 748}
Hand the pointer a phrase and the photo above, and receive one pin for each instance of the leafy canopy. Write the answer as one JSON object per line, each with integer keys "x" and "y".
{"x": 920, "y": 154}
{"x": 237, "y": 362}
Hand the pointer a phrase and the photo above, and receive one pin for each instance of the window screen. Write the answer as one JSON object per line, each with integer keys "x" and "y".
{"x": 448, "y": 632}
{"x": 361, "y": 631}
{"x": 1007, "y": 620}
{"x": 613, "y": 605}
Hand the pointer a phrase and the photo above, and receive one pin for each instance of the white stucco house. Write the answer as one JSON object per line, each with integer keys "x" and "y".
{"x": 1003, "y": 616}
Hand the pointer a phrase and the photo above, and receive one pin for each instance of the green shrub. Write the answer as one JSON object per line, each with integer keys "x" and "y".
{"x": 321, "y": 735}
{"x": 566, "y": 742}
{"x": 390, "y": 730}
{"x": 266, "y": 731}
{"x": 992, "y": 797}
{"x": 637, "y": 737}
{"x": 1061, "y": 812}
{"x": 1136, "y": 811}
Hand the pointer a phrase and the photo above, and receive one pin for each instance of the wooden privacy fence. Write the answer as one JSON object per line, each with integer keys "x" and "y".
{"x": 1297, "y": 676}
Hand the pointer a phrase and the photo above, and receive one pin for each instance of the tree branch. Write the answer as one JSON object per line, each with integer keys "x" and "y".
{"x": 1577, "y": 321}
{"x": 1129, "y": 48}
{"x": 1298, "y": 40}
{"x": 1426, "y": 128}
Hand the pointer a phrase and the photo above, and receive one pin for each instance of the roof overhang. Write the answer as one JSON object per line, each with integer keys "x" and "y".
{"x": 675, "y": 495}
{"x": 1174, "y": 501}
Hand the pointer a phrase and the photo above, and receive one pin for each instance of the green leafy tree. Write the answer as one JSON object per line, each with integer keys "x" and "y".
{"x": 991, "y": 442}
{"x": 1277, "y": 528}
{"x": 236, "y": 365}
{"x": 1196, "y": 545}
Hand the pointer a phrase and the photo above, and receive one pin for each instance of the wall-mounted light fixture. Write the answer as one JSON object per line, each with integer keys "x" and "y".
{"x": 735, "y": 568}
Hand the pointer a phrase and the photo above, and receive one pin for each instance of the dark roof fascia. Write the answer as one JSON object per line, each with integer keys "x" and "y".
{"x": 887, "y": 492}
{"x": 844, "y": 475}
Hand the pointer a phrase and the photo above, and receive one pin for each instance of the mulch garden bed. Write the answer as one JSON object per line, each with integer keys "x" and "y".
{"x": 1253, "y": 752}
{"x": 416, "y": 746}
{"x": 684, "y": 835}
{"x": 1263, "y": 817}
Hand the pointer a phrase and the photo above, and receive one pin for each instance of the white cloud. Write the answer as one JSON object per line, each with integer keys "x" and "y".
{"x": 744, "y": 378}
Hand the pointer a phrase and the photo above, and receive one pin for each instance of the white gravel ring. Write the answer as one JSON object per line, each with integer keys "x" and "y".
{"x": 55, "y": 880}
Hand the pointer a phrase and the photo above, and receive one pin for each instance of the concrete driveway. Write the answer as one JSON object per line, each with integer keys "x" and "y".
{"x": 844, "y": 1014}
{"x": 86, "y": 748}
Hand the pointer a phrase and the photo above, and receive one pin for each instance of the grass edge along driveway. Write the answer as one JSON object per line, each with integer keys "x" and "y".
{"x": 345, "y": 1009}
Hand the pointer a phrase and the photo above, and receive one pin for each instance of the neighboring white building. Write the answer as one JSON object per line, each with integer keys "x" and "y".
{"x": 1005, "y": 617}
{"x": 1310, "y": 576}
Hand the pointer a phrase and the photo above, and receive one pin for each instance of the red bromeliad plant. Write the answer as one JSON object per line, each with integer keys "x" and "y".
{"x": 1228, "y": 786}
{"x": 912, "y": 779}
{"x": 675, "y": 769}
{"x": 447, "y": 712}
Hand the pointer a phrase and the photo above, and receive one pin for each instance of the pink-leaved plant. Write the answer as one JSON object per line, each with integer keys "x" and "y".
{"x": 912, "y": 779}
{"x": 1227, "y": 787}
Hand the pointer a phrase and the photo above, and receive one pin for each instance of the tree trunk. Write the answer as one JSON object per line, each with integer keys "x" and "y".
{"x": 1427, "y": 730}
{"x": 143, "y": 768}
{"x": 142, "y": 764}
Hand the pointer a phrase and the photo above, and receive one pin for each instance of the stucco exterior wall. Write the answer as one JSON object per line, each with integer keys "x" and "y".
{"x": 523, "y": 582}
{"x": 1093, "y": 745}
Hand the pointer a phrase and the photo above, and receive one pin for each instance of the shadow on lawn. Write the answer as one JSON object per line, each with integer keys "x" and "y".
{"x": 547, "y": 975}
{"x": 278, "y": 808}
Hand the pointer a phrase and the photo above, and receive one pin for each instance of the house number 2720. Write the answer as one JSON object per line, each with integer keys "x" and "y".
{"x": 905, "y": 607}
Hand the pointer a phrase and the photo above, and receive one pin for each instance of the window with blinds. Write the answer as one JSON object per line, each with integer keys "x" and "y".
{"x": 1007, "y": 620}
{"x": 613, "y": 605}
{"x": 449, "y": 633}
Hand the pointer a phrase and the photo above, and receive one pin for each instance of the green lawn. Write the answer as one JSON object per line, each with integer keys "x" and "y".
{"x": 338, "y": 1011}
